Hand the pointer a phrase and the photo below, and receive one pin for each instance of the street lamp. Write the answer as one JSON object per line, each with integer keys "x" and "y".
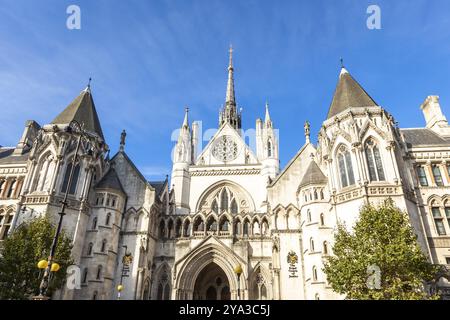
{"x": 127, "y": 259}
{"x": 50, "y": 266}
{"x": 238, "y": 271}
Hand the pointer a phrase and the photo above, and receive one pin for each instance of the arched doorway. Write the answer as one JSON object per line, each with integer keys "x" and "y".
{"x": 212, "y": 284}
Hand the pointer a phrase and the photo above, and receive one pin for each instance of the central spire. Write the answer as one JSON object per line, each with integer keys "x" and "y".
{"x": 230, "y": 99}
{"x": 229, "y": 113}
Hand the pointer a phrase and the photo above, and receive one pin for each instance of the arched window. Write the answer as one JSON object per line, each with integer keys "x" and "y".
{"x": 314, "y": 273}
{"x": 99, "y": 272}
{"x": 103, "y": 248}
{"x": 95, "y": 295}
{"x": 215, "y": 207}
{"x": 237, "y": 227}
{"x": 345, "y": 167}
{"x": 265, "y": 227}
{"x": 325, "y": 247}
{"x": 211, "y": 225}
{"x": 178, "y": 228}
{"x": 308, "y": 215}
{"x": 269, "y": 148}
{"x": 322, "y": 219}
{"x": 85, "y": 275}
{"x": 234, "y": 206}
{"x": 162, "y": 229}
{"x": 311, "y": 244}
{"x": 256, "y": 227}
{"x": 246, "y": 228}
{"x": 94, "y": 223}
{"x": 73, "y": 184}
{"x": 199, "y": 225}
{"x": 317, "y": 296}
{"x": 224, "y": 200}
{"x": 187, "y": 228}
{"x": 447, "y": 211}
{"x": 259, "y": 287}
{"x": 376, "y": 172}
{"x": 438, "y": 221}
{"x": 108, "y": 218}
{"x": 90, "y": 246}
{"x": 163, "y": 287}
{"x": 170, "y": 229}
{"x": 224, "y": 224}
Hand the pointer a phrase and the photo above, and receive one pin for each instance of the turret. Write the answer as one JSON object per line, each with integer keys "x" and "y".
{"x": 267, "y": 146}
{"x": 435, "y": 119}
{"x": 182, "y": 159}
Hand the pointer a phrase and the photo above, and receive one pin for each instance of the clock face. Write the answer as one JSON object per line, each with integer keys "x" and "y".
{"x": 225, "y": 149}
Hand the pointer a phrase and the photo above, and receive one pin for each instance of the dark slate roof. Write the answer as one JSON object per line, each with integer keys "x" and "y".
{"x": 348, "y": 94}
{"x": 313, "y": 175}
{"x": 158, "y": 185}
{"x": 110, "y": 181}
{"x": 423, "y": 137}
{"x": 7, "y": 156}
{"x": 82, "y": 109}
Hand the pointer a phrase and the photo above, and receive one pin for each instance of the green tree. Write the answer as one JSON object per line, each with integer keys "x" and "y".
{"x": 22, "y": 250}
{"x": 384, "y": 238}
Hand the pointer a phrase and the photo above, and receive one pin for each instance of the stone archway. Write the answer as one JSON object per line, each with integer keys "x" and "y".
{"x": 212, "y": 284}
{"x": 209, "y": 259}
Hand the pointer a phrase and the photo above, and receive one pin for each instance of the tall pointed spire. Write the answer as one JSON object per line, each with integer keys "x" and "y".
{"x": 267, "y": 119}
{"x": 186, "y": 121}
{"x": 229, "y": 113}
{"x": 230, "y": 98}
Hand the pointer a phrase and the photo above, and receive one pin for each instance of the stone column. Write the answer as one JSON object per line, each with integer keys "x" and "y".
{"x": 391, "y": 149}
{"x": 444, "y": 165}
{"x": 430, "y": 172}
{"x": 55, "y": 174}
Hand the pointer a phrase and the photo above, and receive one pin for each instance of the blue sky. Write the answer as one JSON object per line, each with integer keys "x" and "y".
{"x": 149, "y": 59}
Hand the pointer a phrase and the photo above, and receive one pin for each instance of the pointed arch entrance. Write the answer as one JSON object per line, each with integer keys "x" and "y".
{"x": 198, "y": 271}
{"x": 212, "y": 284}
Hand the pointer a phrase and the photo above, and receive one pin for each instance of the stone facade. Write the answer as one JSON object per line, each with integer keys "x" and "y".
{"x": 228, "y": 206}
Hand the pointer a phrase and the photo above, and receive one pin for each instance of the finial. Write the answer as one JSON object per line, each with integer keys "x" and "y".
{"x": 185, "y": 121}
{"x": 230, "y": 64}
{"x": 89, "y": 83}
{"x": 342, "y": 63}
{"x": 123, "y": 135}
{"x": 307, "y": 128}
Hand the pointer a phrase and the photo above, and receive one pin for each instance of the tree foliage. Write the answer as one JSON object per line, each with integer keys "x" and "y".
{"x": 22, "y": 250}
{"x": 384, "y": 238}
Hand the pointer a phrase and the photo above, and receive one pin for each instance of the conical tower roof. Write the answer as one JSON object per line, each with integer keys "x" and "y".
{"x": 348, "y": 94}
{"x": 82, "y": 109}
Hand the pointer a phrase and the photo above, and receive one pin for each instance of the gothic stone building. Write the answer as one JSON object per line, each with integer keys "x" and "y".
{"x": 228, "y": 204}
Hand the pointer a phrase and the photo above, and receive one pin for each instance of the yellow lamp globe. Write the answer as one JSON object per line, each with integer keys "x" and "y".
{"x": 55, "y": 267}
{"x": 42, "y": 264}
{"x": 238, "y": 269}
{"x": 119, "y": 287}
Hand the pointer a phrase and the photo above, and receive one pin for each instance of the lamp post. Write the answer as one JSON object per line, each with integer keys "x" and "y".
{"x": 238, "y": 271}
{"x": 126, "y": 261}
{"x": 50, "y": 266}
